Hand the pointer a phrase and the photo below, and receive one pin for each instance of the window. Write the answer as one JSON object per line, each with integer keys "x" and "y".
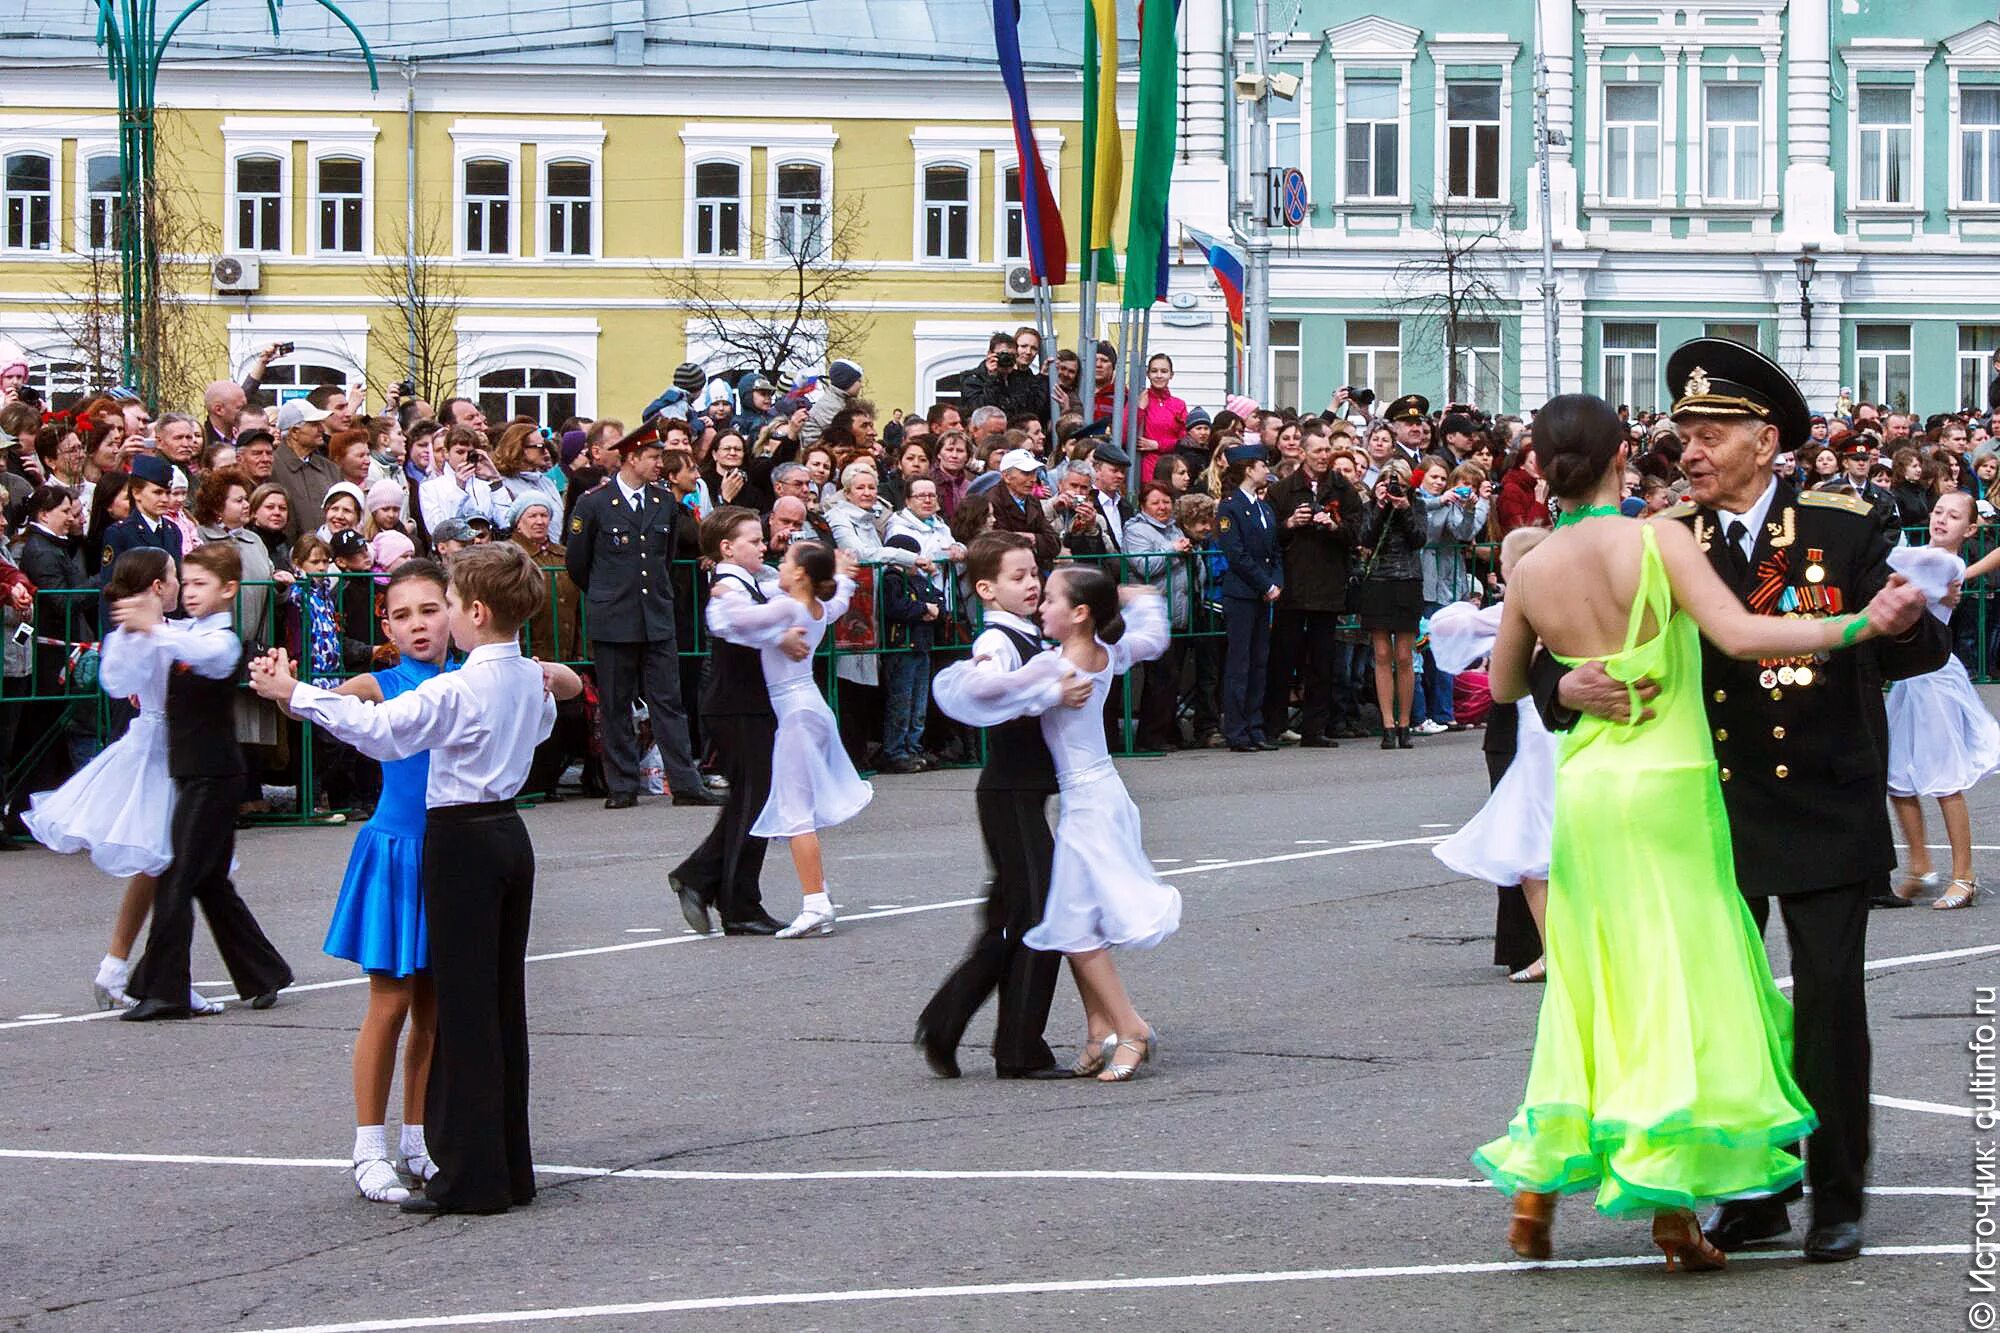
{"x": 1979, "y": 145}
{"x": 1283, "y": 372}
{"x": 1733, "y": 130}
{"x": 286, "y": 379}
{"x": 947, "y": 212}
{"x": 548, "y": 396}
{"x": 102, "y": 179}
{"x": 1736, "y": 333}
{"x": 1977, "y": 344}
{"x": 1632, "y": 142}
{"x": 566, "y": 194}
{"x": 1375, "y": 356}
{"x": 260, "y": 204}
{"x": 63, "y": 384}
{"x": 1479, "y": 364}
{"x": 1882, "y": 364}
{"x": 30, "y": 201}
{"x": 1632, "y": 366}
{"x": 1883, "y": 171}
{"x": 718, "y": 210}
{"x": 1373, "y": 139}
{"x": 1472, "y": 140}
{"x": 339, "y": 185}
{"x": 950, "y": 388}
{"x": 489, "y": 204}
{"x": 801, "y": 228}
{"x": 1014, "y": 226}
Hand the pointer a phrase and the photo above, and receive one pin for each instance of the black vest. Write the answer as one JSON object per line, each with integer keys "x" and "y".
{"x": 201, "y": 724}
{"x": 1017, "y": 758}
{"x": 734, "y": 686}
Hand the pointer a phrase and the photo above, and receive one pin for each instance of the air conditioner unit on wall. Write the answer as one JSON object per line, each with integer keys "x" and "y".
{"x": 236, "y": 273}
{"x": 1020, "y": 283}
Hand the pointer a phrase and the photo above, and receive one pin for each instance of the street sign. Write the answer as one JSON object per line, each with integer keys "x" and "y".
{"x": 1292, "y": 202}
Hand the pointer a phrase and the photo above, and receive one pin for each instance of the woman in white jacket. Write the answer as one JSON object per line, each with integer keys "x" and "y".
{"x": 857, "y": 519}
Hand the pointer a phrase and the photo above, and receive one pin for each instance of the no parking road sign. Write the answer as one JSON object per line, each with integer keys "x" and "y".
{"x": 1292, "y": 202}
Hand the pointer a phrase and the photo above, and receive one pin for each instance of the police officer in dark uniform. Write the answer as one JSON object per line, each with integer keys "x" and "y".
{"x": 1409, "y": 421}
{"x": 620, "y": 550}
{"x": 146, "y": 525}
{"x": 1801, "y": 744}
{"x": 1246, "y": 534}
{"x": 1857, "y": 456}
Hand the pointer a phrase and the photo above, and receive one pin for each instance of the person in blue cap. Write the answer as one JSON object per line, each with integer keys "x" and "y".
{"x": 146, "y": 525}
{"x": 1246, "y": 533}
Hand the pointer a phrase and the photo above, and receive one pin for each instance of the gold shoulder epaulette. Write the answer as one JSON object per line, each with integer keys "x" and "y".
{"x": 1853, "y": 504}
{"x": 1681, "y": 510}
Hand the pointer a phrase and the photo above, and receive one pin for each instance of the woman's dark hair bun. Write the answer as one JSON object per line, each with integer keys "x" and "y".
{"x": 1096, "y": 592}
{"x": 816, "y": 559}
{"x": 1576, "y": 438}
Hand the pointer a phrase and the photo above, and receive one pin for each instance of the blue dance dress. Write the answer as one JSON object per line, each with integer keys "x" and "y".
{"x": 379, "y": 920}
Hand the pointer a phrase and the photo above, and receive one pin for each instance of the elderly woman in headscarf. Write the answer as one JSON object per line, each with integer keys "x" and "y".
{"x": 552, "y": 634}
{"x": 857, "y": 519}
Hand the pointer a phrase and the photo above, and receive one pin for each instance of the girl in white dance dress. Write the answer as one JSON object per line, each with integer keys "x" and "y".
{"x": 1507, "y": 842}
{"x": 1942, "y": 739}
{"x": 813, "y": 783}
{"x": 120, "y": 806}
{"x": 1102, "y": 890}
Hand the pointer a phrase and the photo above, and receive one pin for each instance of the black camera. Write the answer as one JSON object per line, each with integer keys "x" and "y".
{"x": 406, "y": 388}
{"x": 1396, "y": 488}
{"x": 1004, "y": 359}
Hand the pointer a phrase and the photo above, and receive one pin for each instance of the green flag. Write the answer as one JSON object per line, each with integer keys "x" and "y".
{"x": 1152, "y": 152}
{"x": 1103, "y": 151}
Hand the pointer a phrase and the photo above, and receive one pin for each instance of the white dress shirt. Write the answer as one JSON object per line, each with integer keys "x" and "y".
{"x": 442, "y": 498}
{"x": 481, "y": 724}
{"x": 1751, "y": 518}
{"x": 139, "y": 663}
{"x": 992, "y": 686}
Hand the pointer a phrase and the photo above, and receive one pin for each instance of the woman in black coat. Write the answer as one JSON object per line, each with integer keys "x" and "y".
{"x": 1392, "y": 597}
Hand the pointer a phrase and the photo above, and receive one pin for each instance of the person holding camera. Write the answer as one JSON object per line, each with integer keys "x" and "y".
{"x": 1454, "y": 505}
{"x": 465, "y": 486}
{"x": 1319, "y": 519}
{"x": 1392, "y": 597}
{"x": 1006, "y": 380}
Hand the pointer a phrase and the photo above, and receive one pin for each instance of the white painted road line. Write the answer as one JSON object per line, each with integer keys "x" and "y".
{"x": 1935, "y": 1108}
{"x": 1046, "y": 1288}
{"x": 1943, "y": 955}
{"x": 1099, "y": 1175}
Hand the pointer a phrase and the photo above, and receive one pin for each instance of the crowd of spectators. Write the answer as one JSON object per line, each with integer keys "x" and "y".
{"x": 1383, "y": 514}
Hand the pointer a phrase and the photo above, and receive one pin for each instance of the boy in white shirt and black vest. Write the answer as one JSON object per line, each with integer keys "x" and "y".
{"x": 481, "y": 724}
{"x": 207, "y": 768}
{"x": 1012, "y": 798}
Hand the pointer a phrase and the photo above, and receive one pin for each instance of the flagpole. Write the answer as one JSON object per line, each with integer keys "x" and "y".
{"x": 1086, "y": 336}
{"x": 1045, "y": 319}
{"x": 1138, "y": 380}
{"x": 1118, "y": 383}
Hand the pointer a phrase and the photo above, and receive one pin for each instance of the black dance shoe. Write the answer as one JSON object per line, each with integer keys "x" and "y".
{"x": 1047, "y": 1073}
{"x": 1738, "y": 1226}
{"x": 621, "y": 800}
{"x": 761, "y": 924}
{"x": 942, "y": 1059}
{"x": 1833, "y": 1243}
{"x": 699, "y": 796}
{"x": 694, "y": 910}
{"x": 148, "y": 1011}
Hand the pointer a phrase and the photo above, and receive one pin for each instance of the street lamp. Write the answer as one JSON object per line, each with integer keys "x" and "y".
{"x": 1803, "y": 264}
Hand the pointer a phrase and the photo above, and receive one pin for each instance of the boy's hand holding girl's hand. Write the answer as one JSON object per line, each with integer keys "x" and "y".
{"x": 1076, "y": 688}
{"x": 272, "y": 677}
{"x": 138, "y": 613}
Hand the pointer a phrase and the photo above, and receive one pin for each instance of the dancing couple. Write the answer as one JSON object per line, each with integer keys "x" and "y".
{"x": 1663, "y": 1069}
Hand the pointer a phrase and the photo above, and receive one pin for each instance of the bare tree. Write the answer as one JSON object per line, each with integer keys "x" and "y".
{"x": 423, "y": 293}
{"x": 788, "y": 323}
{"x": 1453, "y": 285}
{"x": 180, "y": 348}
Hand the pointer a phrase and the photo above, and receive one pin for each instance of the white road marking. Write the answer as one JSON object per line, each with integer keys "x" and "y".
{"x": 643, "y": 930}
{"x": 1049, "y": 1287}
{"x": 1876, "y": 964}
{"x": 1310, "y": 842}
{"x": 32, "y": 1017}
{"x": 1314, "y": 854}
{"x": 1100, "y": 1175}
{"x": 1935, "y": 1108}
{"x": 1433, "y": 826}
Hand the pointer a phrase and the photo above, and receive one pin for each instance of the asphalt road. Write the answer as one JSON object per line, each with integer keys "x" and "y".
{"x": 1336, "y": 1043}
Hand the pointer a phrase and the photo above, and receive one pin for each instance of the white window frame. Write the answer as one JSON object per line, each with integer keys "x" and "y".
{"x": 569, "y": 203}
{"x": 232, "y": 236}
{"x": 279, "y": 137}
{"x": 1449, "y": 51}
{"x": 1291, "y": 356}
{"x": 1885, "y": 157}
{"x": 1977, "y": 48}
{"x": 775, "y": 225}
{"x": 691, "y": 218}
{"x": 1377, "y": 377}
{"x": 1475, "y": 157}
{"x": 1990, "y": 133}
{"x": 317, "y": 197}
{"x": 1348, "y": 124}
{"x": 502, "y": 141}
{"x": 1663, "y": 180}
{"x": 1876, "y": 361}
{"x": 1711, "y": 195}
{"x": 1002, "y": 164}
{"x": 1626, "y": 393}
{"x": 973, "y": 147}
{"x": 568, "y": 141}
{"x": 1981, "y": 362}
{"x": 512, "y": 201}
{"x": 1373, "y": 44}
{"x": 487, "y": 343}
{"x": 51, "y": 151}
{"x": 783, "y": 143}
{"x": 970, "y": 166}
{"x": 1470, "y": 353}
{"x": 86, "y": 151}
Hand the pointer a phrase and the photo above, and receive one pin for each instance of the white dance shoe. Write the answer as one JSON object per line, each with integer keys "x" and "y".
{"x": 378, "y": 1182}
{"x": 809, "y": 923}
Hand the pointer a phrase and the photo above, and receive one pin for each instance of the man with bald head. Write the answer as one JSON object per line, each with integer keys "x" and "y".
{"x": 788, "y": 516}
{"x": 222, "y": 405}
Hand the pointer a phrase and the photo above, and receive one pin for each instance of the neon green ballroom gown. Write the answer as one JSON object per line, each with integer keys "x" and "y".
{"x": 1662, "y": 1070}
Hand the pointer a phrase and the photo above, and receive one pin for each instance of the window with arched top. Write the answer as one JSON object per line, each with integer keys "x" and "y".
{"x": 62, "y": 384}
{"x": 102, "y": 179}
{"x": 260, "y": 194}
{"x": 29, "y": 181}
{"x": 548, "y": 396}
{"x": 801, "y": 209}
{"x": 718, "y": 210}
{"x": 296, "y": 376}
{"x": 1014, "y": 220}
{"x": 338, "y": 185}
{"x": 947, "y": 206}
{"x": 489, "y": 202}
{"x": 566, "y": 194}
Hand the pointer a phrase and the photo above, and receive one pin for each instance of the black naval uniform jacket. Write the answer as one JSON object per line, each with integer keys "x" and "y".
{"x": 623, "y": 562}
{"x": 1801, "y": 744}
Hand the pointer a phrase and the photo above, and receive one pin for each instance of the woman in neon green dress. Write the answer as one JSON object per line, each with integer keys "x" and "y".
{"x": 1661, "y": 1074}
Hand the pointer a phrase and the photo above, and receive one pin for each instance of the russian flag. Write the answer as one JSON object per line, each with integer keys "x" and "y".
{"x": 1227, "y": 266}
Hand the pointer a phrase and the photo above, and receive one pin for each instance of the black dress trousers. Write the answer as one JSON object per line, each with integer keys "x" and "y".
{"x": 726, "y": 867}
{"x": 649, "y": 671}
{"x": 479, "y": 892}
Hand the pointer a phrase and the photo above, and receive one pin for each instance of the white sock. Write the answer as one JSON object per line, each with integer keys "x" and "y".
{"x": 413, "y": 1142}
{"x": 114, "y": 969}
{"x": 819, "y": 902}
{"x": 370, "y": 1142}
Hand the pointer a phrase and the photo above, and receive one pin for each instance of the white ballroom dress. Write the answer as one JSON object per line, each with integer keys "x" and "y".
{"x": 1509, "y": 839}
{"x": 120, "y": 806}
{"x": 813, "y": 782}
{"x": 1942, "y": 739}
{"x": 1102, "y": 890}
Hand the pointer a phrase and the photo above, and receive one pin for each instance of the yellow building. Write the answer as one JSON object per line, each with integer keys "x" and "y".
{"x": 575, "y": 169}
